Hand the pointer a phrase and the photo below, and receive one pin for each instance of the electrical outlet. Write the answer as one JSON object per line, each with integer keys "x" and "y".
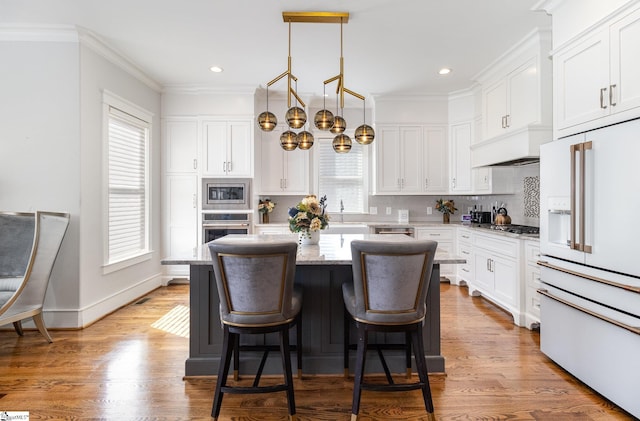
{"x": 429, "y": 210}
{"x": 373, "y": 210}
{"x": 388, "y": 210}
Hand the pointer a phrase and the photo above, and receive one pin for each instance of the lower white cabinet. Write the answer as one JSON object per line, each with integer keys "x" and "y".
{"x": 271, "y": 229}
{"x": 532, "y": 283}
{"x": 464, "y": 249}
{"x": 444, "y": 237}
{"x": 181, "y": 219}
{"x": 497, "y": 272}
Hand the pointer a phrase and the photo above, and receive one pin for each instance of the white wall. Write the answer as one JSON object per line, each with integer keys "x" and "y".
{"x": 51, "y": 158}
{"x": 40, "y": 147}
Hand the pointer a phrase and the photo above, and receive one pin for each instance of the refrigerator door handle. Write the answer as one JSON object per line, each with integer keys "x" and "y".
{"x": 631, "y": 329}
{"x": 578, "y": 197}
{"x": 583, "y": 164}
{"x": 572, "y": 206}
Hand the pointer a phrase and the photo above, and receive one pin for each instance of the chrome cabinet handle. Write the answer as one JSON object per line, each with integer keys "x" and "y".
{"x": 602, "y": 104}
{"x": 195, "y": 201}
{"x": 229, "y": 166}
{"x": 224, "y": 166}
{"x": 502, "y": 122}
{"x": 195, "y": 164}
{"x": 613, "y": 104}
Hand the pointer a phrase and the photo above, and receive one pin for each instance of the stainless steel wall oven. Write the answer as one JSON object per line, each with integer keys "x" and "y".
{"x": 219, "y": 224}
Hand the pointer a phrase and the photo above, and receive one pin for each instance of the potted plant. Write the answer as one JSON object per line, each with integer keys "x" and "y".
{"x": 447, "y": 207}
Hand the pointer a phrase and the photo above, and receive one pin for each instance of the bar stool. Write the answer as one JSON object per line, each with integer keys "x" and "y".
{"x": 388, "y": 294}
{"x": 257, "y": 295}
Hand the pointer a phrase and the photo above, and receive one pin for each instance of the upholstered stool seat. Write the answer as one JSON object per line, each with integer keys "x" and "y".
{"x": 255, "y": 284}
{"x": 388, "y": 294}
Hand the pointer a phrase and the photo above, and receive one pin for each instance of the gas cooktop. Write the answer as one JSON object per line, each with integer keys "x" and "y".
{"x": 516, "y": 229}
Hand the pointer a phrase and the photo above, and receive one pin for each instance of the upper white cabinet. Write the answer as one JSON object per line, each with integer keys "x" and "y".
{"x": 282, "y": 172}
{"x": 227, "y": 148}
{"x": 512, "y": 102}
{"x": 435, "y": 171}
{"x": 181, "y": 146}
{"x": 597, "y": 76}
{"x": 460, "y": 157}
{"x": 516, "y": 99}
{"x": 411, "y": 159}
{"x": 493, "y": 180}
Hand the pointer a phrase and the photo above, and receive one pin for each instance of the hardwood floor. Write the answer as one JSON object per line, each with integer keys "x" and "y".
{"x": 123, "y": 368}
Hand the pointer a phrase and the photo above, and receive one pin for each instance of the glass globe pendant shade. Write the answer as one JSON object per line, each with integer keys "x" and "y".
{"x": 289, "y": 140}
{"x": 342, "y": 143}
{"x": 323, "y": 120}
{"x": 267, "y": 121}
{"x": 339, "y": 125}
{"x": 296, "y": 117}
{"x": 305, "y": 140}
{"x": 364, "y": 134}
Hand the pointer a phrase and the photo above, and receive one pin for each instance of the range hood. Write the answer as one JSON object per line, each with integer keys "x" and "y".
{"x": 518, "y": 147}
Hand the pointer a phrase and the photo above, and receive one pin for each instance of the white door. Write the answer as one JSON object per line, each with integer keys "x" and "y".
{"x": 240, "y": 150}
{"x": 388, "y": 160}
{"x": 181, "y": 206}
{"x": 482, "y": 269}
{"x": 411, "y": 159}
{"x": 181, "y": 146}
{"x": 214, "y": 148}
{"x": 271, "y": 163}
{"x": 435, "y": 160}
{"x": 506, "y": 278}
{"x": 296, "y": 173}
{"x": 524, "y": 95}
{"x": 495, "y": 108}
{"x": 612, "y": 194}
{"x": 461, "y": 157}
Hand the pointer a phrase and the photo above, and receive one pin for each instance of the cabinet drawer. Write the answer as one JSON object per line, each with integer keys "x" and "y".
{"x": 464, "y": 235}
{"x": 532, "y": 251}
{"x": 502, "y": 246}
{"x": 533, "y": 302}
{"x": 435, "y": 234}
{"x": 532, "y": 276}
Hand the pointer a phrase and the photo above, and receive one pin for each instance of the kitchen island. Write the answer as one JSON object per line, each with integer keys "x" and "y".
{"x": 320, "y": 270}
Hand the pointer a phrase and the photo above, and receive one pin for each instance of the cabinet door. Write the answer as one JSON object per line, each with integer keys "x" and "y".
{"x": 435, "y": 160}
{"x": 296, "y": 172}
{"x": 411, "y": 159}
{"x": 271, "y": 163}
{"x": 581, "y": 80}
{"x": 625, "y": 63}
{"x": 495, "y": 109}
{"x": 388, "y": 160}
{"x": 483, "y": 271}
{"x": 461, "y": 157}
{"x": 239, "y": 149}
{"x": 482, "y": 180}
{"x": 181, "y": 146}
{"x": 523, "y": 95}
{"x": 506, "y": 277}
{"x": 181, "y": 212}
{"x": 214, "y": 148}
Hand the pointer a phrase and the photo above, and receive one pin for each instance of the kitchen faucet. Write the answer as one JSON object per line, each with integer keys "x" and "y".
{"x": 341, "y": 210}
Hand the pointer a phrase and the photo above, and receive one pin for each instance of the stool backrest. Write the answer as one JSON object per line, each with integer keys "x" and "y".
{"x": 391, "y": 280}
{"x": 255, "y": 281}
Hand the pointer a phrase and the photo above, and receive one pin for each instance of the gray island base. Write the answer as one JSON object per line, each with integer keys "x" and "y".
{"x": 320, "y": 270}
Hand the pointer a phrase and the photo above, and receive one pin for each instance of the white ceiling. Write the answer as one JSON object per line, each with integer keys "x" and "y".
{"x": 390, "y": 46}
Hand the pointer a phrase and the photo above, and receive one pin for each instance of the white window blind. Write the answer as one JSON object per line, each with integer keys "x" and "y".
{"x": 128, "y": 233}
{"x": 342, "y": 177}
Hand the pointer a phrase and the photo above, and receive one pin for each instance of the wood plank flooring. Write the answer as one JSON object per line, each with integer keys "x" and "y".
{"x": 122, "y": 368}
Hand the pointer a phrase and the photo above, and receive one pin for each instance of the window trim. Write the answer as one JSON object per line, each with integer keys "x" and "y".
{"x": 366, "y": 166}
{"x": 109, "y": 101}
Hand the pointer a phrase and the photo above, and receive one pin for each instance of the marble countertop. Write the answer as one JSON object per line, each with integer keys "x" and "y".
{"x": 333, "y": 249}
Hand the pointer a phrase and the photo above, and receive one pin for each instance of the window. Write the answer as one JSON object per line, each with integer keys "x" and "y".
{"x": 342, "y": 177}
{"x": 127, "y": 182}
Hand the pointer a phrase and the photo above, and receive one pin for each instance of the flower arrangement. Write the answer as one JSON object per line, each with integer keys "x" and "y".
{"x": 445, "y": 206}
{"x": 266, "y": 206}
{"x": 309, "y": 215}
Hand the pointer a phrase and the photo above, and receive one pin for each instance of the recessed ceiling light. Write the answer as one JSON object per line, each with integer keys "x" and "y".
{"x": 216, "y": 69}
{"x": 444, "y": 71}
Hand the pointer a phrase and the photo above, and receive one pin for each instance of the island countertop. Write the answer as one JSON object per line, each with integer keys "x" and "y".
{"x": 333, "y": 249}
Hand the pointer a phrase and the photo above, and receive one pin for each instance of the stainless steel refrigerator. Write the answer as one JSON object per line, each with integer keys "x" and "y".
{"x": 590, "y": 263}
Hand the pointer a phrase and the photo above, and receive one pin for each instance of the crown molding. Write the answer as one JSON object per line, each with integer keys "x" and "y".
{"x": 191, "y": 89}
{"x": 38, "y": 33}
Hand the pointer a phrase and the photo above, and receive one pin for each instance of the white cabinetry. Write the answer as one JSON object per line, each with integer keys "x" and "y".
{"x": 532, "y": 283}
{"x": 512, "y": 102}
{"x": 180, "y": 190}
{"x": 271, "y": 229}
{"x": 497, "y": 272}
{"x": 464, "y": 247}
{"x": 281, "y": 172}
{"x": 411, "y": 159}
{"x": 444, "y": 237}
{"x": 460, "y": 157}
{"x": 227, "y": 148}
{"x": 597, "y": 76}
{"x": 493, "y": 180}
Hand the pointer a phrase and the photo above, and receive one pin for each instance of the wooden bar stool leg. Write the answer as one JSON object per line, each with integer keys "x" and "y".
{"x": 421, "y": 365}
{"x": 286, "y": 365}
{"x": 363, "y": 339}
{"x": 223, "y": 370}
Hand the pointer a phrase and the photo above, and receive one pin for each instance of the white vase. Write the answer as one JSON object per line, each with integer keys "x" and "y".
{"x": 308, "y": 238}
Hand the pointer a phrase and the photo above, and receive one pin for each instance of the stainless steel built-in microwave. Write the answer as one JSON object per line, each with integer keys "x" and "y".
{"x": 231, "y": 193}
